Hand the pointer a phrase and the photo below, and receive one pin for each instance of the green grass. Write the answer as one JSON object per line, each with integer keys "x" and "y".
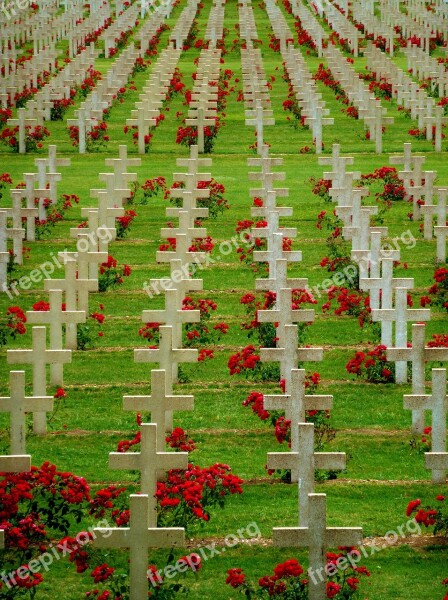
{"x": 373, "y": 428}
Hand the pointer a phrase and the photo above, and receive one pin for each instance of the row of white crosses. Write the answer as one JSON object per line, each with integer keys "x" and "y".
{"x": 342, "y": 26}
{"x": 247, "y": 25}
{"x": 152, "y": 24}
{"x": 215, "y": 24}
{"x": 310, "y": 24}
{"x": 420, "y": 184}
{"x": 424, "y": 67}
{"x": 91, "y": 111}
{"x": 182, "y": 28}
{"x": 81, "y": 277}
{"x": 310, "y": 100}
{"x": 302, "y": 460}
{"x": 18, "y": 31}
{"x": 369, "y": 108}
{"x": 97, "y": 19}
{"x": 393, "y": 16}
{"x": 23, "y": 206}
{"x": 409, "y": 94}
{"x": 373, "y": 26}
{"x": 151, "y": 98}
{"x": 203, "y": 107}
{"x": 124, "y": 22}
{"x": 153, "y": 461}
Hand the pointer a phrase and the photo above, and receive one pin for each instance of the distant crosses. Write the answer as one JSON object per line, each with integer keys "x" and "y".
{"x": 139, "y": 537}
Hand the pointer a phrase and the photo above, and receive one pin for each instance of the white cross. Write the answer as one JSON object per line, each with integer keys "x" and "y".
{"x": 181, "y": 252}
{"x": 158, "y": 403}
{"x": 17, "y": 404}
{"x": 401, "y": 314}
{"x": 166, "y": 355}
{"x": 417, "y": 355}
{"x": 437, "y": 403}
{"x": 138, "y": 537}
{"x": 303, "y": 462}
{"x": 149, "y": 461}
{"x": 283, "y": 314}
{"x": 22, "y": 122}
{"x": 56, "y": 318}
{"x": 318, "y": 538}
{"x": 295, "y": 403}
{"x": 290, "y": 355}
{"x": 39, "y": 357}
{"x": 280, "y": 278}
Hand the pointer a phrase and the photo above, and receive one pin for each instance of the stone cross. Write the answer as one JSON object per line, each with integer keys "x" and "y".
{"x": 259, "y": 117}
{"x": 56, "y": 318}
{"x": 280, "y": 278}
{"x": 430, "y": 210}
{"x": 86, "y": 257}
{"x": 303, "y": 463}
{"x": 139, "y": 537}
{"x": 158, "y": 404}
{"x": 22, "y": 122}
{"x": 15, "y": 464}
{"x": 120, "y": 166}
{"x": 401, "y": 314}
{"x": 172, "y": 315}
{"x": 417, "y": 354}
{"x": 290, "y": 355}
{"x": 275, "y": 252}
{"x": 318, "y": 538}
{"x": 283, "y": 314}
{"x": 76, "y": 296}
{"x": 18, "y": 405}
{"x": 181, "y": 252}
{"x": 50, "y": 163}
{"x": 436, "y": 461}
{"x": 149, "y": 461}
{"x": 441, "y": 233}
{"x": 437, "y": 403}
{"x": 167, "y": 356}
{"x": 386, "y": 283}
{"x": 295, "y": 403}
{"x": 39, "y": 357}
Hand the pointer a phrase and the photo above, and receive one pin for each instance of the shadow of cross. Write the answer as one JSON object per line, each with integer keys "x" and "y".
{"x": 418, "y": 354}
{"x": 437, "y": 403}
{"x": 149, "y": 461}
{"x": 17, "y": 405}
{"x": 302, "y": 464}
{"x": 138, "y": 538}
{"x": 13, "y": 464}
{"x": 158, "y": 404}
{"x": 56, "y": 318}
{"x": 39, "y": 357}
{"x": 290, "y": 355}
{"x": 318, "y": 538}
{"x": 283, "y": 314}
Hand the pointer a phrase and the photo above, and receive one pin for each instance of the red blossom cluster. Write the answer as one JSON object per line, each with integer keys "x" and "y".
{"x": 111, "y": 275}
{"x": 349, "y": 302}
{"x": 124, "y": 223}
{"x": 289, "y": 580}
{"x": 372, "y": 366}
{"x": 179, "y": 440}
{"x": 430, "y": 516}
{"x": 438, "y": 292}
{"x": 244, "y": 361}
{"x": 34, "y": 136}
{"x": 195, "y": 491}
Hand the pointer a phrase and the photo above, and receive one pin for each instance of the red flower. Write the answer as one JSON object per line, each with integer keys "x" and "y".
{"x": 235, "y": 578}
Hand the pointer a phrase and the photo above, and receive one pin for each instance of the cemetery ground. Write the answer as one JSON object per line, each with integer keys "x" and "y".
{"x": 383, "y": 472}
